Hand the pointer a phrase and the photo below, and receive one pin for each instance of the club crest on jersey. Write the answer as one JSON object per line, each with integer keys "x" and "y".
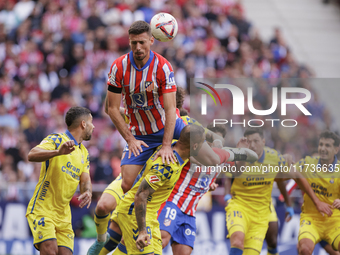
{"x": 154, "y": 178}
{"x": 149, "y": 86}
{"x": 82, "y": 159}
{"x": 331, "y": 181}
{"x": 167, "y": 222}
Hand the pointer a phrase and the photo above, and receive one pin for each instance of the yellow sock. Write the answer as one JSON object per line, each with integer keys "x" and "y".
{"x": 104, "y": 251}
{"x": 101, "y": 223}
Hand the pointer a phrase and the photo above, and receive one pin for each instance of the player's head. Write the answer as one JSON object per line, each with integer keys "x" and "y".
{"x": 180, "y": 95}
{"x": 192, "y": 138}
{"x": 140, "y": 39}
{"x": 255, "y": 139}
{"x": 328, "y": 146}
{"x": 218, "y": 129}
{"x": 80, "y": 118}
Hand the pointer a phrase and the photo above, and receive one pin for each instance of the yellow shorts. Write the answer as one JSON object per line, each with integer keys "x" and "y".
{"x": 128, "y": 225}
{"x": 320, "y": 228}
{"x": 273, "y": 215}
{"x": 253, "y": 224}
{"x": 44, "y": 228}
{"x": 115, "y": 189}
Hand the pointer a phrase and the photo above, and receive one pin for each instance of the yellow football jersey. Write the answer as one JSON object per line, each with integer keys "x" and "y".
{"x": 162, "y": 178}
{"x": 189, "y": 121}
{"x": 59, "y": 178}
{"x": 324, "y": 180}
{"x": 254, "y": 187}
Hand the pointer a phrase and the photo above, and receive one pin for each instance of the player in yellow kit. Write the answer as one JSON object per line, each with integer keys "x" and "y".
{"x": 322, "y": 173}
{"x": 249, "y": 209}
{"x": 137, "y": 212}
{"x": 65, "y": 164}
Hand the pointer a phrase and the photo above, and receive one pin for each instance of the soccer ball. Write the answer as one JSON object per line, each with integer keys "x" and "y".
{"x": 163, "y": 27}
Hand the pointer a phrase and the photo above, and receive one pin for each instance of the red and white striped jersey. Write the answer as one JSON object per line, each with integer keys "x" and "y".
{"x": 143, "y": 90}
{"x": 190, "y": 188}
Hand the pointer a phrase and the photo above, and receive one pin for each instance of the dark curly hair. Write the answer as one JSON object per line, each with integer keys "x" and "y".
{"x": 74, "y": 113}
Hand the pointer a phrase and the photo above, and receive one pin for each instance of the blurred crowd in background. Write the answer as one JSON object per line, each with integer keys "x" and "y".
{"x": 56, "y": 54}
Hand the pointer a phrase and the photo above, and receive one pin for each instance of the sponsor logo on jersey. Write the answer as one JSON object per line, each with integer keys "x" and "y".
{"x": 154, "y": 178}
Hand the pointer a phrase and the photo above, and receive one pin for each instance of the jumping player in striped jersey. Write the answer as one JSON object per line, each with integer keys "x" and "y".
{"x": 147, "y": 83}
{"x": 177, "y": 216}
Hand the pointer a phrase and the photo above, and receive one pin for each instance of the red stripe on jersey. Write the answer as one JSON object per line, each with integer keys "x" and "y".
{"x": 184, "y": 172}
{"x": 192, "y": 201}
{"x": 160, "y": 209}
{"x": 187, "y": 191}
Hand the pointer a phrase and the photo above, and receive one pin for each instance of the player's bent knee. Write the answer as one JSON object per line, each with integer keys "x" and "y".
{"x": 237, "y": 240}
{"x": 305, "y": 249}
{"x": 165, "y": 238}
{"x": 106, "y": 206}
{"x": 49, "y": 247}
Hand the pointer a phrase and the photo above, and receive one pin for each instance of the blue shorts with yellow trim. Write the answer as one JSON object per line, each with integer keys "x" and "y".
{"x": 179, "y": 225}
{"x": 153, "y": 141}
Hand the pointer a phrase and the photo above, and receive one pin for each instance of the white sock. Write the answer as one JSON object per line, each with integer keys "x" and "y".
{"x": 101, "y": 238}
{"x": 232, "y": 155}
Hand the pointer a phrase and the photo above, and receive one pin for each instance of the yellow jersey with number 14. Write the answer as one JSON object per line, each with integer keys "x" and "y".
{"x": 254, "y": 187}
{"x": 161, "y": 177}
{"x": 324, "y": 180}
{"x": 59, "y": 179}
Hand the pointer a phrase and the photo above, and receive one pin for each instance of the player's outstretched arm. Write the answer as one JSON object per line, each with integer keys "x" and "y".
{"x": 322, "y": 207}
{"x": 289, "y": 209}
{"x": 144, "y": 191}
{"x": 85, "y": 187}
{"x": 214, "y": 138}
{"x": 39, "y": 155}
{"x": 112, "y": 108}
{"x": 166, "y": 152}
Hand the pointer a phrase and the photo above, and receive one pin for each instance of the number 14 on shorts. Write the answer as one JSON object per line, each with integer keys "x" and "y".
{"x": 40, "y": 222}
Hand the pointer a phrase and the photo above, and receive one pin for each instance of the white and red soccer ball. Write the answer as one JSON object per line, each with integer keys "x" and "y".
{"x": 164, "y": 27}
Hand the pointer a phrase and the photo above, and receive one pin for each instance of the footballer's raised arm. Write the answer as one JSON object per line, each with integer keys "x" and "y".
{"x": 38, "y": 154}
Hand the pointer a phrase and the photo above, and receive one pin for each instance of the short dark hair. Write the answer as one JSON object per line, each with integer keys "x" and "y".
{"x": 191, "y": 134}
{"x": 328, "y": 134}
{"x": 139, "y": 27}
{"x": 218, "y": 128}
{"x": 180, "y": 95}
{"x": 253, "y": 130}
{"x": 74, "y": 113}
{"x": 183, "y": 112}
